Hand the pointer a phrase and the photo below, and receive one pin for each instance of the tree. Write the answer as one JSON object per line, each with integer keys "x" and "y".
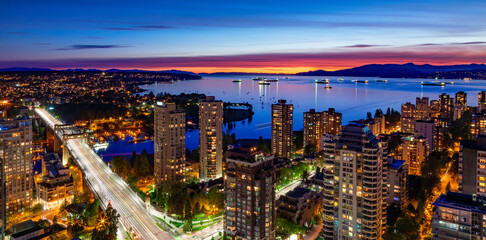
{"x": 284, "y": 228}
{"x": 141, "y": 165}
{"x": 187, "y": 226}
{"x": 187, "y": 210}
{"x": 310, "y": 149}
{"x": 305, "y": 175}
{"x": 369, "y": 116}
{"x": 91, "y": 212}
{"x": 107, "y": 226}
{"x": 408, "y": 227}
{"x": 196, "y": 209}
{"x": 73, "y": 230}
{"x": 37, "y": 208}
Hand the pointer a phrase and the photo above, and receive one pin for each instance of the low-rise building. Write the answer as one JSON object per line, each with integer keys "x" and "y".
{"x": 300, "y": 206}
{"x": 56, "y": 185}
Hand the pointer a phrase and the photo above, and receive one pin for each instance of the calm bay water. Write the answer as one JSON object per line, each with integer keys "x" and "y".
{"x": 353, "y": 100}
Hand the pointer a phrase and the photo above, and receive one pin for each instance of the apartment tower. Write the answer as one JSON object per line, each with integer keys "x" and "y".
{"x": 282, "y": 129}
{"x": 331, "y": 122}
{"x": 210, "y": 138}
{"x": 355, "y": 190}
{"x": 169, "y": 143}
{"x": 249, "y": 187}
{"x": 16, "y": 152}
{"x": 312, "y": 129}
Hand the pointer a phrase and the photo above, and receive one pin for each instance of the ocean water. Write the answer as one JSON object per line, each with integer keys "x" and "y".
{"x": 353, "y": 100}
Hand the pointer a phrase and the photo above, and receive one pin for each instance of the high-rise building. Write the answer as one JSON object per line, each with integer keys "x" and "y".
{"x": 407, "y": 118}
{"x": 426, "y": 128}
{"x": 397, "y": 183}
{"x": 3, "y": 200}
{"x": 249, "y": 187}
{"x": 331, "y": 122}
{"x": 460, "y": 104}
{"x": 414, "y": 152}
{"x": 441, "y": 132}
{"x": 355, "y": 191}
{"x": 422, "y": 108}
{"x": 481, "y": 101}
{"x": 210, "y": 138}
{"x": 312, "y": 129}
{"x": 434, "y": 108}
{"x": 169, "y": 143}
{"x": 459, "y": 216}
{"x": 472, "y": 166}
{"x": 282, "y": 129}
{"x": 478, "y": 124}
{"x": 16, "y": 152}
{"x": 446, "y": 104}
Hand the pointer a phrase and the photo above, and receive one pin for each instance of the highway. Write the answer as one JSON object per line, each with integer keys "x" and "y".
{"x": 110, "y": 188}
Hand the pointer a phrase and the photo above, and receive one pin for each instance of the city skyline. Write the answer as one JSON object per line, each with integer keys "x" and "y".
{"x": 241, "y": 36}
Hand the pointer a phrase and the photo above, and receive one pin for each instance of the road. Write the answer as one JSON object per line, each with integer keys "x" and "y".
{"x": 111, "y": 188}
{"x": 290, "y": 186}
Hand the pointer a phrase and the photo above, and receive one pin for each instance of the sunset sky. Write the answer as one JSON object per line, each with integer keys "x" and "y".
{"x": 252, "y": 36}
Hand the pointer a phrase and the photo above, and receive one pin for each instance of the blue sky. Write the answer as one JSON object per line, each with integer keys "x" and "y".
{"x": 48, "y": 33}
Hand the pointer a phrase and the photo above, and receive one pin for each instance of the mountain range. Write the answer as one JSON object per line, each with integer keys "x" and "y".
{"x": 21, "y": 69}
{"x": 408, "y": 70}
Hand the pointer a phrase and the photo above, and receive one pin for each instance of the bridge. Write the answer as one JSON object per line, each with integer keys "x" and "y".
{"x": 106, "y": 185}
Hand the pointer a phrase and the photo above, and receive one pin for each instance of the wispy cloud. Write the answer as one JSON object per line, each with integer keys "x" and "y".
{"x": 441, "y": 55}
{"x": 140, "y": 28}
{"x": 89, "y": 46}
{"x": 365, "y": 46}
{"x": 452, "y": 43}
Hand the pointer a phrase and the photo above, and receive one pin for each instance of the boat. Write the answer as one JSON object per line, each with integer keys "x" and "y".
{"x": 433, "y": 83}
{"x": 239, "y": 80}
{"x": 328, "y": 87}
{"x": 263, "y": 83}
{"x": 323, "y": 81}
{"x": 271, "y": 80}
{"x": 448, "y": 82}
{"x": 259, "y": 79}
{"x": 101, "y": 146}
{"x": 361, "y": 81}
{"x": 340, "y": 79}
{"x": 381, "y": 80}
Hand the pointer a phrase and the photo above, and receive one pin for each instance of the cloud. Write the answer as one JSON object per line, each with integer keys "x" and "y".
{"x": 140, "y": 28}
{"x": 82, "y": 46}
{"x": 365, "y": 46}
{"x": 453, "y": 43}
{"x": 329, "y": 60}
{"x": 470, "y": 43}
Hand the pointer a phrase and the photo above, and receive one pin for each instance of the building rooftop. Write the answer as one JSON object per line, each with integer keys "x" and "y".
{"x": 462, "y": 201}
{"x": 397, "y": 164}
{"x": 479, "y": 143}
{"x": 298, "y": 192}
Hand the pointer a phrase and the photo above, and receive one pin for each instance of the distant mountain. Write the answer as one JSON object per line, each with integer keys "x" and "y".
{"x": 20, "y": 69}
{"x": 408, "y": 70}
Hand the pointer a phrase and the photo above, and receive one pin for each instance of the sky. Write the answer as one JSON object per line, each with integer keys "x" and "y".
{"x": 284, "y": 36}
